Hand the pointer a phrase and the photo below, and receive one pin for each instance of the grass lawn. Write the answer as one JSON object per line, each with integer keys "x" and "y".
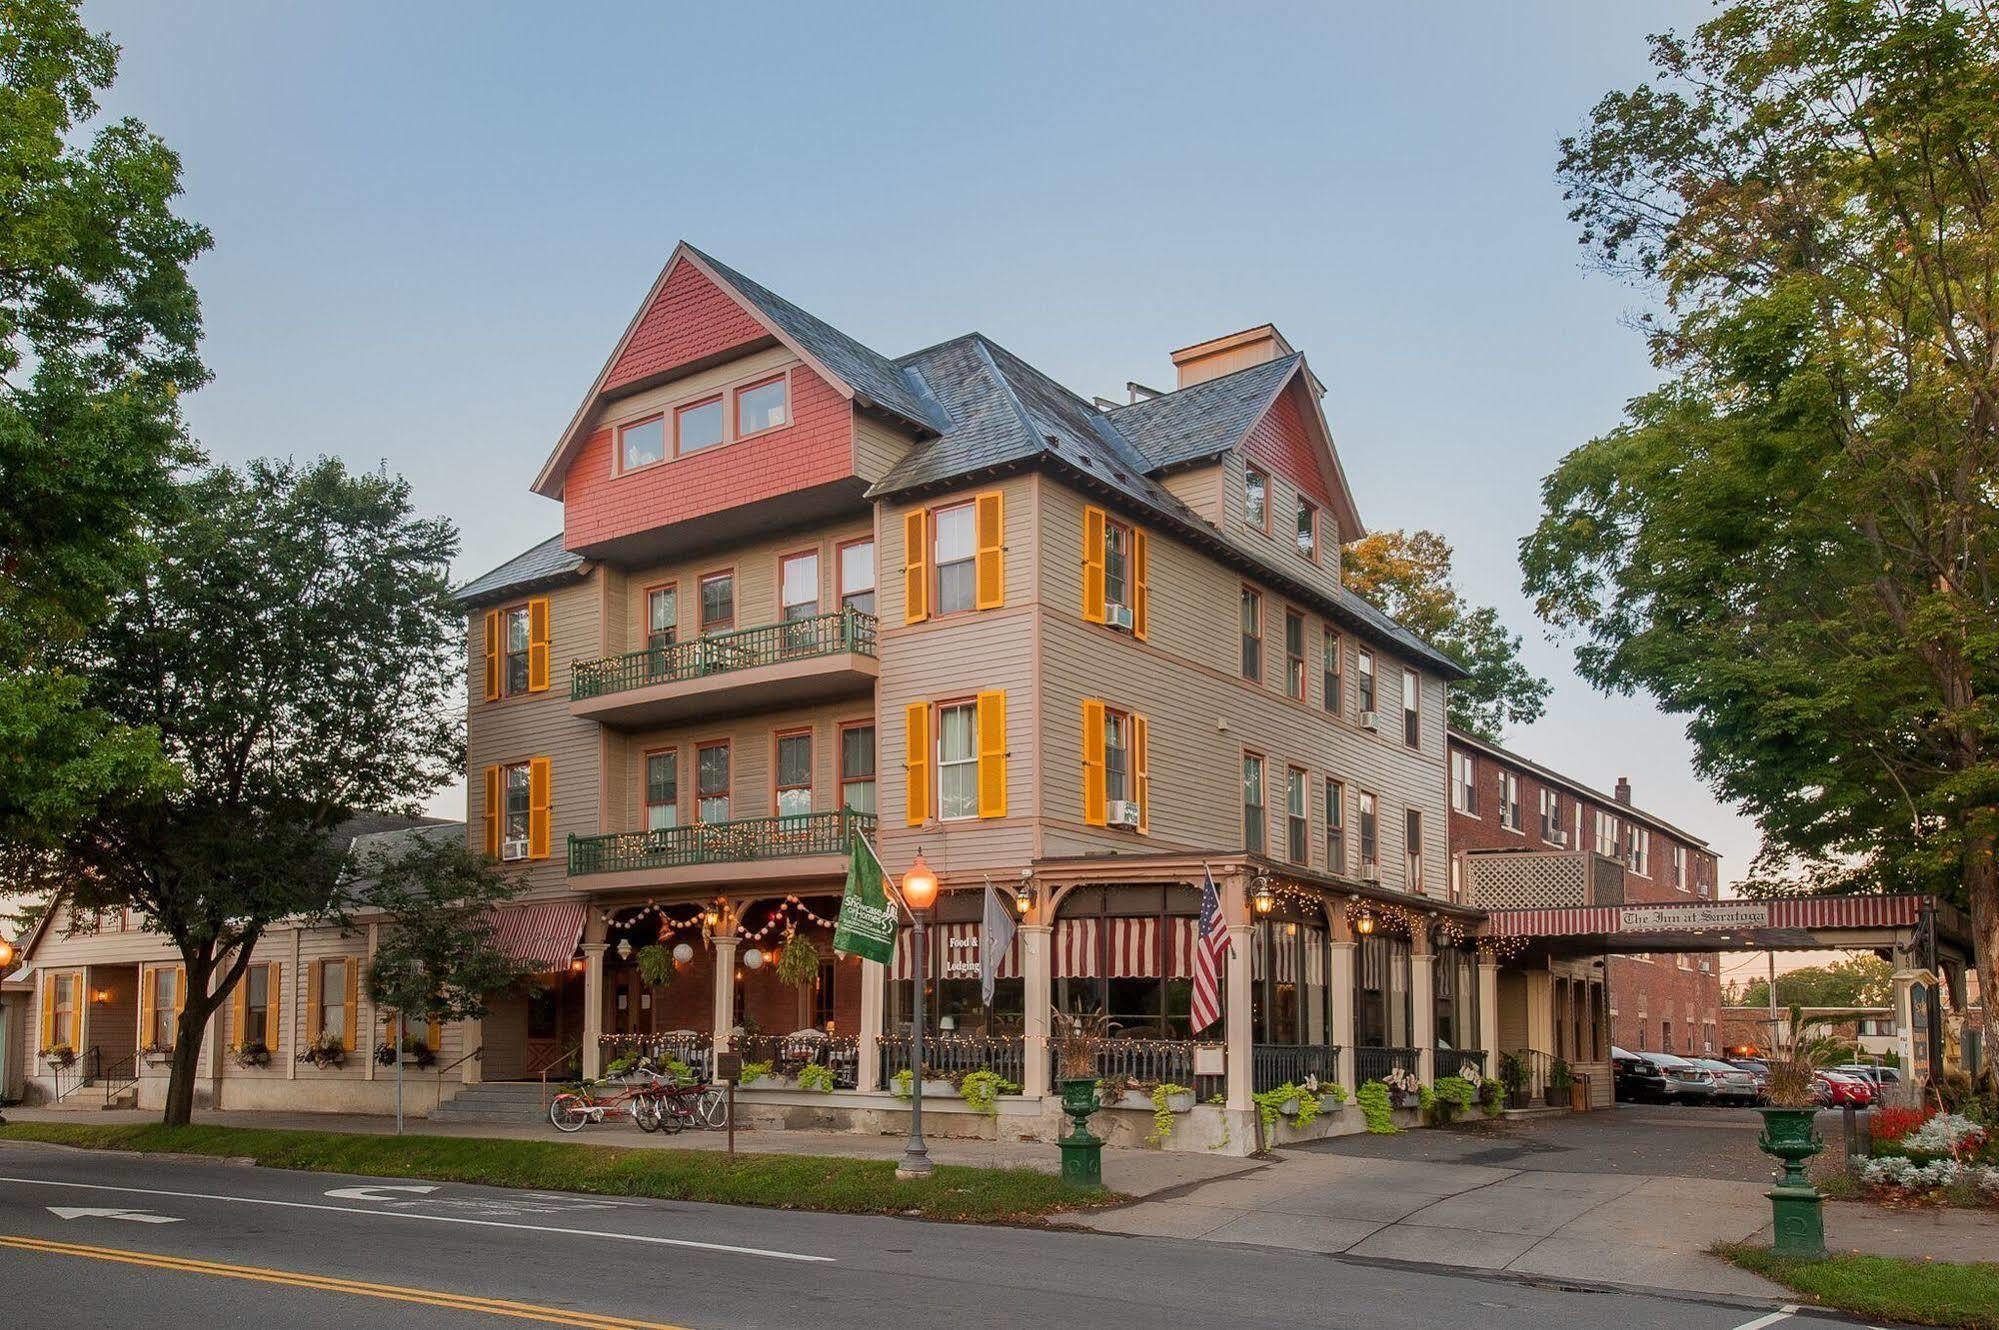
{"x": 1887, "y": 1288}
{"x": 785, "y": 1182}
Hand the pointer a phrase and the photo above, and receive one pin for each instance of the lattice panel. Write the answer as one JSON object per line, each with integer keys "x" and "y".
{"x": 1527, "y": 881}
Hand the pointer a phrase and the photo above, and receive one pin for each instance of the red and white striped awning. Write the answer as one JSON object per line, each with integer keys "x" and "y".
{"x": 1283, "y": 949}
{"x": 954, "y": 953}
{"x": 1141, "y": 948}
{"x": 545, "y": 936}
{"x": 1794, "y": 914}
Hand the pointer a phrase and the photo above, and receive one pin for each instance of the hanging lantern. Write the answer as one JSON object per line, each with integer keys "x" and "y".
{"x": 753, "y": 959}
{"x": 682, "y": 953}
{"x": 712, "y": 917}
{"x": 1265, "y": 900}
{"x": 624, "y": 948}
{"x": 1023, "y": 899}
{"x": 1364, "y": 924}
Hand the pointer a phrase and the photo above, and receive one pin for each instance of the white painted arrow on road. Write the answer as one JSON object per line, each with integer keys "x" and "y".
{"x": 89, "y": 1212}
{"x": 369, "y": 1193}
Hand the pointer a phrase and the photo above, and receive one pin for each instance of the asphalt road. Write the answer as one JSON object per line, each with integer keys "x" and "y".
{"x": 84, "y": 1242}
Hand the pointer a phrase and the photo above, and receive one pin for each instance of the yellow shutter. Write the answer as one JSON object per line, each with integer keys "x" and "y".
{"x": 180, "y": 999}
{"x": 539, "y": 779}
{"x": 147, "y": 1009}
{"x": 433, "y": 1035}
{"x": 1141, "y": 771}
{"x": 1093, "y": 762}
{"x": 493, "y": 811}
{"x": 315, "y": 975}
{"x": 239, "y": 1007}
{"x": 1140, "y": 594}
{"x": 492, "y": 654}
{"x": 992, "y": 754}
{"x": 915, "y": 566}
{"x": 274, "y": 1010}
{"x": 538, "y": 646}
{"x": 989, "y": 578}
{"x": 916, "y": 762}
{"x": 353, "y": 999}
{"x": 1093, "y": 564}
{"x": 48, "y": 1010}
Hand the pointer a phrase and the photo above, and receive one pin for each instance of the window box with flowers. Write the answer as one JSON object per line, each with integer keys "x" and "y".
{"x": 251, "y": 1054}
{"x": 59, "y": 1056}
{"x": 415, "y": 1053}
{"x": 157, "y": 1055}
{"x": 325, "y": 1052}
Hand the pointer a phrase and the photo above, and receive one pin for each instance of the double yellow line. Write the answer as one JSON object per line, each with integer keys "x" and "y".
{"x": 524, "y": 1311}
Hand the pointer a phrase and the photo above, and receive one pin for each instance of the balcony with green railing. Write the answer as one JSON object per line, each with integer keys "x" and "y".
{"x": 813, "y": 659}
{"x": 778, "y": 841}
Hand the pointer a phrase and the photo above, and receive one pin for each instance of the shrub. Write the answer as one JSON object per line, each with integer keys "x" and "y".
{"x": 1886, "y": 1125}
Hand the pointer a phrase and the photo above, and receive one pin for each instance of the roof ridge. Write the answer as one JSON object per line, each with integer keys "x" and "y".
{"x": 1219, "y": 378}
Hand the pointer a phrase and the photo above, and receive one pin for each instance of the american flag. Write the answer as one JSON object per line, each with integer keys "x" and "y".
{"x": 1211, "y": 943}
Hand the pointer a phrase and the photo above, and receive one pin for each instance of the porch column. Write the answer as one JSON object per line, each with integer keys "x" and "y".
{"x": 1236, "y": 1018}
{"x": 1038, "y": 992}
{"x": 1343, "y": 1032}
{"x": 1423, "y": 1004}
{"x": 1540, "y": 1022}
{"x": 374, "y": 1016}
{"x": 1488, "y": 1010}
{"x": 593, "y": 1009}
{"x": 472, "y": 1033}
{"x": 1909, "y": 1090}
{"x": 722, "y": 1008}
{"x": 874, "y": 1012}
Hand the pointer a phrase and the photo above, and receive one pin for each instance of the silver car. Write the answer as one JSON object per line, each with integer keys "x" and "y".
{"x": 1732, "y": 1085}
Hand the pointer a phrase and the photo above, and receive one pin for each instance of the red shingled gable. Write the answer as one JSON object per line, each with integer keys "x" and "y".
{"x": 1282, "y": 442}
{"x": 690, "y": 319}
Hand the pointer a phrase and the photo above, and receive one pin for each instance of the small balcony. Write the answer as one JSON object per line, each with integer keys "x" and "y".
{"x": 803, "y": 845}
{"x": 1542, "y": 879}
{"x": 796, "y": 663}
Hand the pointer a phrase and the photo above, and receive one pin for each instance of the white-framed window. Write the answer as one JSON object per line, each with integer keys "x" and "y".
{"x": 1250, "y": 611}
{"x": 662, "y": 790}
{"x": 1412, "y": 714}
{"x": 794, "y": 773}
{"x": 333, "y": 995}
{"x": 1370, "y": 830}
{"x": 1117, "y": 755}
{"x": 957, "y": 761}
{"x": 1308, "y": 530}
{"x": 1330, "y": 669}
{"x": 662, "y": 616}
{"x": 1297, "y": 824}
{"x": 1551, "y": 815}
{"x": 1509, "y": 801}
{"x": 1336, "y": 827}
{"x": 1412, "y": 849}
{"x": 712, "y": 782}
{"x": 165, "y": 981}
{"x": 718, "y": 602}
{"x": 1363, "y": 662}
{"x": 1680, "y": 882}
{"x": 857, "y": 768}
{"x": 1117, "y": 563}
{"x": 857, "y": 576}
{"x": 1641, "y": 852}
{"x": 1252, "y": 803}
{"x": 1256, "y": 498}
{"x": 955, "y": 546}
{"x": 516, "y": 782}
{"x": 519, "y": 635}
{"x": 1609, "y": 836}
{"x": 798, "y": 586}
{"x": 256, "y": 1007}
{"x": 1464, "y": 784}
{"x": 1294, "y": 654}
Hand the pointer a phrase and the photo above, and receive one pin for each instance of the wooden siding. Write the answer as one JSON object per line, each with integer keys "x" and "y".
{"x": 1281, "y": 545}
{"x": 1201, "y": 490}
{"x": 877, "y": 447}
{"x": 752, "y": 758}
{"x": 1187, "y": 680}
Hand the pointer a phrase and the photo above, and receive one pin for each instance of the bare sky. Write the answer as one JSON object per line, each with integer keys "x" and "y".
{"x": 432, "y": 221}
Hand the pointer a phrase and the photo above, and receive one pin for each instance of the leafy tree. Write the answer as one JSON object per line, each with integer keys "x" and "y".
{"x": 1856, "y": 981}
{"x": 1408, "y": 575}
{"x": 435, "y": 958}
{"x": 1791, "y": 542}
{"x": 295, "y": 646}
{"x": 99, "y": 329}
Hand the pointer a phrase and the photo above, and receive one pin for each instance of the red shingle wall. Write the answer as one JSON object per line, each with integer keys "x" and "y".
{"x": 1282, "y": 443}
{"x": 690, "y": 319}
{"x": 817, "y": 447}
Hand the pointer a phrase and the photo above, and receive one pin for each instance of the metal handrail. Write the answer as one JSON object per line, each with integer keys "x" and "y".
{"x": 740, "y": 840}
{"x": 844, "y": 630}
{"x": 117, "y": 1082}
{"x": 80, "y": 1072}
{"x": 551, "y": 1064}
{"x": 453, "y": 1067}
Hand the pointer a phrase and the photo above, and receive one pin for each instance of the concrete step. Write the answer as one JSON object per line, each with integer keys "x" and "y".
{"x": 493, "y": 1101}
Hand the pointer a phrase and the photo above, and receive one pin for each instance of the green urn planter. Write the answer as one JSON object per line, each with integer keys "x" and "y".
{"x": 1082, "y": 1151}
{"x": 1798, "y": 1223}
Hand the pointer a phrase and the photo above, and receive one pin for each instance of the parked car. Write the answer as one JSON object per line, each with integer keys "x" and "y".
{"x": 1757, "y": 1068}
{"x": 1732, "y": 1085}
{"x": 1882, "y": 1078}
{"x": 1836, "y": 1089}
{"x": 1660, "y": 1078}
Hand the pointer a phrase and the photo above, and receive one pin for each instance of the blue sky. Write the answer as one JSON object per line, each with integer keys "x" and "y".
{"x": 432, "y": 221}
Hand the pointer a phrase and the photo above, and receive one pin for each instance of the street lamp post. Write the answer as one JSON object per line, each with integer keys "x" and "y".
{"x": 919, "y": 893}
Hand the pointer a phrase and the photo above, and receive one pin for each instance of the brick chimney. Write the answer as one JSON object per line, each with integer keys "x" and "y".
{"x": 1225, "y": 355}
{"x": 1623, "y": 791}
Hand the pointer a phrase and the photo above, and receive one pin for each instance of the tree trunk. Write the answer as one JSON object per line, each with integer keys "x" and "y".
{"x": 1981, "y": 889}
{"x": 187, "y": 1057}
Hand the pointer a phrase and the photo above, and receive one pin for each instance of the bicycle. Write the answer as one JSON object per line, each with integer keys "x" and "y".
{"x": 573, "y": 1110}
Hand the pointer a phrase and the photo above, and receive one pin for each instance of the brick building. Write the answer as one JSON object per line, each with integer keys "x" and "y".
{"x": 1503, "y": 803}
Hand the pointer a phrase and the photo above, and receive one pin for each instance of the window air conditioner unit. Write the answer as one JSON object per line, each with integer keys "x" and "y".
{"x": 1369, "y": 720}
{"x": 1370, "y": 872}
{"x": 514, "y": 849}
{"x": 1118, "y": 617}
{"x": 1706, "y": 966}
{"x": 1559, "y": 839}
{"x": 1122, "y": 813}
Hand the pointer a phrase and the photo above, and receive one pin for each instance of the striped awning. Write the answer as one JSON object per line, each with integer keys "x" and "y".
{"x": 1796, "y": 913}
{"x": 954, "y": 953}
{"x": 1140, "y": 948}
{"x": 544, "y": 936}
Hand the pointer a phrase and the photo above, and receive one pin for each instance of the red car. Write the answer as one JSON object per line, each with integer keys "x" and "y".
{"x": 1837, "y": 1089}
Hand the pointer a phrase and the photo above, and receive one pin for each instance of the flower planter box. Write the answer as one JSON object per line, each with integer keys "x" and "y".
{"x": 1182, "y": 1102}
{"x": 158, "y": 1059}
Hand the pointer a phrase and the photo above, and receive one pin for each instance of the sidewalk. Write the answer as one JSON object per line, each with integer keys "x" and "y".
{"x": 1135, "y": 1173}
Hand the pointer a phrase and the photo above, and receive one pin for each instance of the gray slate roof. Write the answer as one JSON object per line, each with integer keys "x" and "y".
{"x": 546, "y": 563}
{"x": 1206, "y": 419}
{"x": 869, "y": 373}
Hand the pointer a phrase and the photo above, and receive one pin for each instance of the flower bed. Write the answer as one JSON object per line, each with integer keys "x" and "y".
{"x": 1931, "y": 1158}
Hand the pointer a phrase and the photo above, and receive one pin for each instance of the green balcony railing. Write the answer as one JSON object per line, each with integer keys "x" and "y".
{"x": 844, "y": 630}
{"x": 744, "y": 840}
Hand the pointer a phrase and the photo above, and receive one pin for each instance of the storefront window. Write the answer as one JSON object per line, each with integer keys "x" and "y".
{"x": 1288, "y": 972}
{"x": 1123, "y": 960}
{"x": 1381, "y": 992}
{"x": 952, "y": 1000}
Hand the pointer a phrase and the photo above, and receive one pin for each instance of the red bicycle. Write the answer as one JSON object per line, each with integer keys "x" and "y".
{"x": 638, "y": 1095}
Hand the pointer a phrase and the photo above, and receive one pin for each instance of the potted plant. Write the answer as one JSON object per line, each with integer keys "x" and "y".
{"x": 251, "y": 1054}
{"x": 1513, "y": 1075}
{"x": 156, "y": 1055}
{"x": 1790, "y": 1136}
{"x": 655, "y": 965}
{"x": 1560, "y": 1078}
{"x": 59, "y": 1056}
{"x": 325, "y": 1051}
{"x": 1404, "y": 1088}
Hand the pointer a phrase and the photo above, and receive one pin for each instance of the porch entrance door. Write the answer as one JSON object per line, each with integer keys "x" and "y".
{"x": 554, "y": 1021}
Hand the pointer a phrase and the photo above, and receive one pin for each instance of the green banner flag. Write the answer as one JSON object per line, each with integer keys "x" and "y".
{"x": 866, "y": 926}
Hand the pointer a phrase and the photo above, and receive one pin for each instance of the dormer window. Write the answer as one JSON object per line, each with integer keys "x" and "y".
{"x": 642, "y": 443}
{"x": 1308, "y": 530}
{"x": 698, "y": 426}
{"x": 1256, "y": 498}
{"x": 761, "y": 406}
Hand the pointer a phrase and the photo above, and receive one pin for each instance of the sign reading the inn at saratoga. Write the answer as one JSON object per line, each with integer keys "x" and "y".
{"x": 1684, "y": 918}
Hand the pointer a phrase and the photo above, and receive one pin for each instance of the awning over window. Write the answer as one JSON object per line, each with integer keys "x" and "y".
{"x": 544, "y": 936}
{"x": 955, "y": 953}
{"x": 1131, "y": 949}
